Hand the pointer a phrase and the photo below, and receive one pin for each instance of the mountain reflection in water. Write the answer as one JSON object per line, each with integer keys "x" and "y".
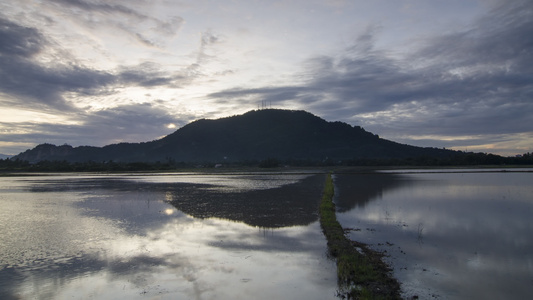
{"x": 450, "y": 235}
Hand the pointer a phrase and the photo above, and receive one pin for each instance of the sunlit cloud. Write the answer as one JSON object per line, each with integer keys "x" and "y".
{"x": 169, "y": 211}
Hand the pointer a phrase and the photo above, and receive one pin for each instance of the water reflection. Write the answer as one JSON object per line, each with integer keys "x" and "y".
{"x": 359, "y": 189}
{"x": 457, "y": 236}
{"x": 288, "y": 205}
{"x": 259, "y": 200}
{"x": 118, "y": 237}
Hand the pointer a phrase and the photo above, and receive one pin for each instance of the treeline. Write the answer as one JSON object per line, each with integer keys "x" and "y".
{"x": 462, "y": 159}
{"x": 90, "y": 166}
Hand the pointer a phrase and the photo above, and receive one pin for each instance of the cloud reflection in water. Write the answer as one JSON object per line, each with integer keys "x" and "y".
{"x": 456, "y": 235}
{"x": 123, "y": 240}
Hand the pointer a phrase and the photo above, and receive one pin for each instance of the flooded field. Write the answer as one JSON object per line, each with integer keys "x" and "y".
{"x": 449, "y": 234}
{"x": 163, "y": 236}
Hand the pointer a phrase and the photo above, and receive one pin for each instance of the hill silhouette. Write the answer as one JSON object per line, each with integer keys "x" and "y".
{"x": 253, "y": 136}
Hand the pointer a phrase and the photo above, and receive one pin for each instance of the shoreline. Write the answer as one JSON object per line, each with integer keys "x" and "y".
{"x": 361, "y": 272}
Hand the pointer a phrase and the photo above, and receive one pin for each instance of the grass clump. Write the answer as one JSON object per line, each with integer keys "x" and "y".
{"x": 361, "y": 272}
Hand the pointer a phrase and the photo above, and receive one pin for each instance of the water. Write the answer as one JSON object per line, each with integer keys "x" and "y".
{"x": 163, "y": 236}
{"x": 460, "y": 235}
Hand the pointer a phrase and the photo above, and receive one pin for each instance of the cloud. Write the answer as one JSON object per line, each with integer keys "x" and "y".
{"x": 127, "y": 123}
{"x": 28, "y": 80}
{"x": 147, "y": 74}
{"x": 18, "y": 40}
{"x": 39, "y": 70}
{"x": 500, "y": 37}
{"x": 144, "y": 40}
{"x": 170, "y": 27}
{"x": 134, "y": 122}
{"x": 469, "y": 82}
{"x": 125, "y": 18}
{"x": 102, "y": 7}
{"x": 22, "y": 77}
{"x": 466, "y": 82}
{"x": 202, "y": 57}
{"x": 208, "y": 38}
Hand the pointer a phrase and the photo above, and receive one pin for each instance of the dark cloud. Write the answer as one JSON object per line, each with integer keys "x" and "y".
{"x": 102, "y": 7}
{"x": 18, "y": 40}
{"x": 148, "y": 75}
{"x": 144, "y": 40}
{"x": 27, "y": 81}
{"x": 132, "y": 120}
{"x": 502, "y": 37}
{"x": 128, "y": 123}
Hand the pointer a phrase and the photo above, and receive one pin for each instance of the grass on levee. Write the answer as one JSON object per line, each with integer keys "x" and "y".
{"x": 361, "y": 273}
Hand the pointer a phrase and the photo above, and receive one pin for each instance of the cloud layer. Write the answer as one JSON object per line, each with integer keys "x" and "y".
{"x": 472, "y": 82}
{"x": 97, "y": 72}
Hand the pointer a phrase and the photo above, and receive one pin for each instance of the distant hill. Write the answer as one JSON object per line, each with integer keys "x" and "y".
{"x": 253, "y": 136}
{"x": 4, "y": 156}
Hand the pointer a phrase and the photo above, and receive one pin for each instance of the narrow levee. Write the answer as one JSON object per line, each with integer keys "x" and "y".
{"x": 361, "y": 273}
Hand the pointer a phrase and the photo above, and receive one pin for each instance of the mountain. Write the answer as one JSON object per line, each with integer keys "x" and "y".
{"x": 4, "y": 156}
{"x": 253, "y": 136}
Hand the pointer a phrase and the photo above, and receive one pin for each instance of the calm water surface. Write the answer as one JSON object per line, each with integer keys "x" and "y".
{"x": 172, "y": 236}
{"x": 452, "y": 235}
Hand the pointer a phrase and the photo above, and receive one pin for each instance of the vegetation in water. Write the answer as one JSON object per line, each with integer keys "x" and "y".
{"x": 361, "y": 272}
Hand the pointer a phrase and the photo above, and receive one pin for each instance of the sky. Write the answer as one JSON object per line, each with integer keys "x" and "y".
{"x": 455, "y": 74}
